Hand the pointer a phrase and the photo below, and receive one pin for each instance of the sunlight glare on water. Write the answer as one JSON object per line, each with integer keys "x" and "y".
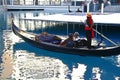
{"x": 78, "y": 73}
{"x": 28, "y": 66}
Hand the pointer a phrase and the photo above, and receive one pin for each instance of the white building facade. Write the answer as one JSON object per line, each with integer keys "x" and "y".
{"x": 52, "y": 2}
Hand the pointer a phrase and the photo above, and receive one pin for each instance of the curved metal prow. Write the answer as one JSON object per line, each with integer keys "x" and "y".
{"x": 12, "y": 17}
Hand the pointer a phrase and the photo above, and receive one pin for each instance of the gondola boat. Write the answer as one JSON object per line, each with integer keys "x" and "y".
{"x": 97, "y": 51}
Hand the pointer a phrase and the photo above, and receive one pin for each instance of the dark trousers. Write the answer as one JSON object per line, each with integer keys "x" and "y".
{"x": 88, "y": 36}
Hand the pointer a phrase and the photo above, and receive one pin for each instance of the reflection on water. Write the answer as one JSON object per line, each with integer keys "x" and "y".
{"x": 118, "y": 60}
{"x": 96, "y": 73}
{"x": 7, "y": 65}
{"x": 28, "y": 66}
{"x": 7, "y": 57}
{"x": 78, "y": 73}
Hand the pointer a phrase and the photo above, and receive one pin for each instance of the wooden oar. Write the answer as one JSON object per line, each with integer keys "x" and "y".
{"x": 105, "y": 37}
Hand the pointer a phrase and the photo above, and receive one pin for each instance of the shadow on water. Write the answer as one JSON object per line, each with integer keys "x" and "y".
{"x": 106, "y": 64}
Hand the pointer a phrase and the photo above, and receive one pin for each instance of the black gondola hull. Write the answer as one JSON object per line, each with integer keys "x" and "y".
{"x": 66, "y": 50}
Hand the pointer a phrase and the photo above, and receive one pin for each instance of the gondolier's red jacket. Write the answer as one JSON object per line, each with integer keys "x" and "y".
{"x": 90, "y": 28}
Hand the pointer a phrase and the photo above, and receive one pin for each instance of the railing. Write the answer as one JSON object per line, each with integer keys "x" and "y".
{"x": 112, "y": 8}
{"x": 85, "y": 8}
{"x": 32, "y": 2}
{"x": 102, "y": 7}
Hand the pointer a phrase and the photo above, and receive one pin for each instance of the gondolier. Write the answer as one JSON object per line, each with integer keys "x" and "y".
{"x": 88, "y": 29}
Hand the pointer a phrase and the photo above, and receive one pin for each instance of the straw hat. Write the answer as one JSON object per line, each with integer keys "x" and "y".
{"x": 89, "y": 15}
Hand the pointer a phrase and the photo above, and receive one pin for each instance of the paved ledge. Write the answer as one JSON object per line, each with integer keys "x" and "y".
{"x": 38, "y": 7}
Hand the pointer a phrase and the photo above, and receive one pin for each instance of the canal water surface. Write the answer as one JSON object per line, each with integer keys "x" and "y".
{"x": 21, "y": 61}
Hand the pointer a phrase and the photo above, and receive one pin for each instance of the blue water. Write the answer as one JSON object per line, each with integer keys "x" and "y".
{"x": 21, "y": 61}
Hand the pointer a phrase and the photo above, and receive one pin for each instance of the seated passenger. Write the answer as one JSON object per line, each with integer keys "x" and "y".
{"x": 76, "y": 36}
{"x": 76, "y": 39}
{"x": 56, "y": 40}
{"x": 69, "y": 41}
{"x": 78, "y": 42}
{"x": 45, "y": 37}
{"x": 49, "y": 38}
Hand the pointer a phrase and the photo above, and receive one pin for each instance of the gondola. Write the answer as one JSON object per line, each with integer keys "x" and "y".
{"x": 97, "y": 51}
